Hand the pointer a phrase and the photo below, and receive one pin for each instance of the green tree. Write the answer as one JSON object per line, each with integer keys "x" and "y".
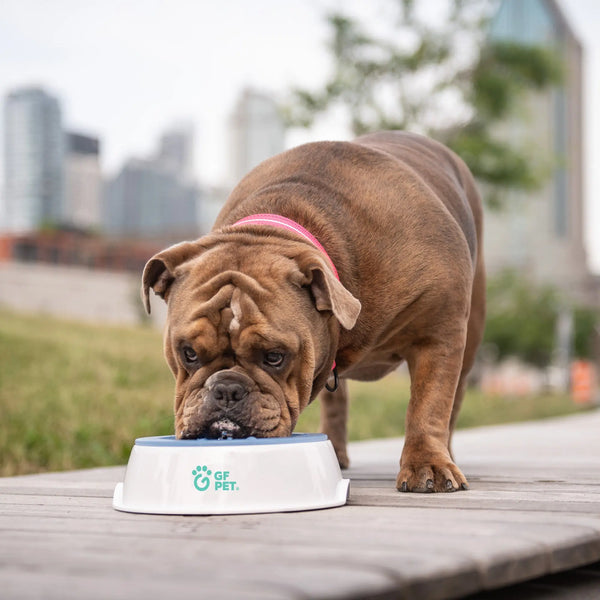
{"x": 586, "y": 332}
{"x": 522, "y": 319}
{"x": 449, "y": 81}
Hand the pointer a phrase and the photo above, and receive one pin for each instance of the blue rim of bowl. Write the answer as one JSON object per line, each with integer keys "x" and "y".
{"x": 172, "y": 441}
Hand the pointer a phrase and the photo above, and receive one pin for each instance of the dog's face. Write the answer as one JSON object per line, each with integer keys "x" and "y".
{"x": 251, "y": 333}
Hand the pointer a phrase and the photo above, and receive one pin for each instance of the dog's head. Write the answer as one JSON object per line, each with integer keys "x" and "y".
{"x": 252, "y": 331}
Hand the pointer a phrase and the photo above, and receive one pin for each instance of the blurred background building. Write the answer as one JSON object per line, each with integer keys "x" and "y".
{"x": 540, "y": 233}
{"x": 83, "y": 182}
{"x": 257, "y": 132}
{"x": 148, "y": 200}
{"x": 33, "y": 160}
{"x": 176, "y": 151}
{"x": 155, "y": 197}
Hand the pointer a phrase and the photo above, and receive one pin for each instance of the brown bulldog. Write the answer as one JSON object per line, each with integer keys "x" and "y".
{"x": 332, "y": 258}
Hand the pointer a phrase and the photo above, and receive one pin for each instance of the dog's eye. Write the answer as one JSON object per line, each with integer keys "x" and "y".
{"x": 189, "y": 354}
{"x": 274, "y": 359}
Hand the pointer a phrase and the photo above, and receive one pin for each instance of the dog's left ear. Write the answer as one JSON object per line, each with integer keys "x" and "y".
{"x": 327, "y": 291}
{"x": 159, "y": 272}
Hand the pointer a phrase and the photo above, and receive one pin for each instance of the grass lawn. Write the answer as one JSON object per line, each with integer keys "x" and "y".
{"x": 74, "y": 395}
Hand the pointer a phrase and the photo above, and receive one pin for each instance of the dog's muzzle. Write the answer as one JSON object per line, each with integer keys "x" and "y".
{"x": 227, "y": 394}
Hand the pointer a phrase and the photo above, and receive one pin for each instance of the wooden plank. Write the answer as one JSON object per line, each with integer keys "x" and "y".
{"x": 522, "y": 519}
{"x": 344, "y": 539}
{"x": 18, "y": 585}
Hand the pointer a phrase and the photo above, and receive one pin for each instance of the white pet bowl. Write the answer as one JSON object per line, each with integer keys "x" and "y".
{"x": 209, "y": 477}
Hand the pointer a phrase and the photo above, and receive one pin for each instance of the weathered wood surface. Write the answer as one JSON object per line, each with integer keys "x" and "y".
{"x": 533, "y": 509}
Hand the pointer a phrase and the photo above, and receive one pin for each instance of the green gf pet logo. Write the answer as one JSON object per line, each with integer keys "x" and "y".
{"x": 203, "y": 479}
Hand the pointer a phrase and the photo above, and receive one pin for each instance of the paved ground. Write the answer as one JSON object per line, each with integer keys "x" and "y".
{"x": 533, "y": 509}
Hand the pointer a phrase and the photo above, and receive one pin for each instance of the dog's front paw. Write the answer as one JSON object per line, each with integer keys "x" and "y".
{"x": 429, "y": 474}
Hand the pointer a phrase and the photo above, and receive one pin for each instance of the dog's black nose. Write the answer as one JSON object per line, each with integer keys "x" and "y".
{"x": 226, "y": 393}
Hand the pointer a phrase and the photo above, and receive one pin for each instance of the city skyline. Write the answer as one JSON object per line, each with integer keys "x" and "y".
{"x": 157, "y": 65}
{"x": 55, "y": 179}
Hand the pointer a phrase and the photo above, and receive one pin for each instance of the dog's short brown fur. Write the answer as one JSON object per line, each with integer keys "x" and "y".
{"x": 256, "y": 317}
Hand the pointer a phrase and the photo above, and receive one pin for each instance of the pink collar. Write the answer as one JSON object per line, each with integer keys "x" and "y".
{"x": 285, "y": 223}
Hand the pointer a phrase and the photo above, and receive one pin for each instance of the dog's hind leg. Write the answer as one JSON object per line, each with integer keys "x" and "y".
{"x": 334, "y": 420}
{"x": 475, "y": 330}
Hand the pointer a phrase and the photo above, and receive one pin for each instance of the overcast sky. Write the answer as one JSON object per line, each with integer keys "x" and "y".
{"x": 125, "y": 70}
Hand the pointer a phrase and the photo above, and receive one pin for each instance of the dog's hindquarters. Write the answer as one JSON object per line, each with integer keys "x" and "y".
{"x": 444, "y": 174}
{"x": 476, "y": 324}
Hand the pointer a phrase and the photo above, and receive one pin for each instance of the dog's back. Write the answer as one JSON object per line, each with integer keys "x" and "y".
{"x": 442, "y": 170}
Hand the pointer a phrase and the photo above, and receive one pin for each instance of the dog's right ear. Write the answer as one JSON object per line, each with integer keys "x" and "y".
{"x": 159, "y": 272}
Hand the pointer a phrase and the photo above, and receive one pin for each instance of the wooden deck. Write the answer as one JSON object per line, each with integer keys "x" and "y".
{"x": 533, "y": 509}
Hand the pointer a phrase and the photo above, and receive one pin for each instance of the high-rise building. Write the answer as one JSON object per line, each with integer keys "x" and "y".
{"x": 256, "y": 132}
{"x": 83, "y": 181}
{"x": 176, "y": 151}
{"x": 156, "y": 197}
{"x": 540, "y": 233}
{"x": 148, "y": 200}
{"x": 33, "y": 160}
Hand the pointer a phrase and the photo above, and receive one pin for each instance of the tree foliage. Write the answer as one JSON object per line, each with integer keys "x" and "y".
{"x": 586, "y": 321}
{"x": 522, "y": 319}
{"x": 441, "y": 77}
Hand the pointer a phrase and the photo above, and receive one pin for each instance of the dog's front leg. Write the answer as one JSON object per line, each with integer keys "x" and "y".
{"x": 334, "y": 420}
{"x": 426, "y": 464}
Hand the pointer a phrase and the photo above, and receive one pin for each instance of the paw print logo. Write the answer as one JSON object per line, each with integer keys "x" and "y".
{"x": 202, "y": 478}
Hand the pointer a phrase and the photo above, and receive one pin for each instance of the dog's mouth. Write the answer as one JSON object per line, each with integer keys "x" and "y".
{"x": 225, "y": 429}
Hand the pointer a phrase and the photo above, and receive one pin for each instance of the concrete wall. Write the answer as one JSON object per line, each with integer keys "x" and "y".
{"x": 76, "y": 293}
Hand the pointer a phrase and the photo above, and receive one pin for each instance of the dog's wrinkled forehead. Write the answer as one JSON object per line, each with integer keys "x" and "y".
{"x": 226, "y": 300}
